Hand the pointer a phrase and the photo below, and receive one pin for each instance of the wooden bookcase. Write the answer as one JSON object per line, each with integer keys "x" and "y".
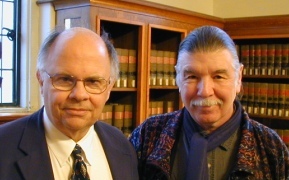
{"x": 140, "y": 26}
{"x": 144, "y": 27}
{"x": 255, "y": 31}
{"x": 162, "y": 89}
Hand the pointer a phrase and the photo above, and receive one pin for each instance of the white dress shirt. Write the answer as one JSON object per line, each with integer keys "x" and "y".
{"x": 60, "y": 148}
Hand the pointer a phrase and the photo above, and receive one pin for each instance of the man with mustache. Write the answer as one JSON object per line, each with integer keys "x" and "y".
{"x": 76, "y": 70}
{"x": 212, "y": 137}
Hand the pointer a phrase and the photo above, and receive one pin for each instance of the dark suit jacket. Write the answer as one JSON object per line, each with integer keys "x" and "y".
{"x": 24, "y": 152}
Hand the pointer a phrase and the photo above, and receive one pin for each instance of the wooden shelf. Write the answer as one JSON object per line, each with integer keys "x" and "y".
{"x": 265, "y": 77}
{"x": 124, "y": 89}
{"x": 164, "y": 87}
{"x": 6, "y": 117}
{"x": 268, "y": 117}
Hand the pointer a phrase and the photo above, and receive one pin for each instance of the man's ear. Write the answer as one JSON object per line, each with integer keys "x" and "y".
{"x": 109, "y": 88}
{"x": 239, "y": 81}
{"x": 39, "y": 78}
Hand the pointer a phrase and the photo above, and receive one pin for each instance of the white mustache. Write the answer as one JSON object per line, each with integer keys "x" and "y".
{"x": 206, "y": 102}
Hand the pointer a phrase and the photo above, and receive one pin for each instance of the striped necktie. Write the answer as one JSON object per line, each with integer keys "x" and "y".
{"x": 79, "y": 167}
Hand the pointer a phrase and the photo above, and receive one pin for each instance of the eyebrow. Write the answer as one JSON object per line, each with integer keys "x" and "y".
{"x": 219, "y": 71}
{"x": 89, "y": 77}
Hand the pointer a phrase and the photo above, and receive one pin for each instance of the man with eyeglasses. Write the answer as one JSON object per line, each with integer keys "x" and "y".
{"x": 76, "y": 71}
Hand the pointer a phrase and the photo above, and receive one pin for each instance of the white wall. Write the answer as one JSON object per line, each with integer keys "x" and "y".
{"x": 231, "y": 8}
{"x": 249, "y": 8}
{"x": 200, "y": 6}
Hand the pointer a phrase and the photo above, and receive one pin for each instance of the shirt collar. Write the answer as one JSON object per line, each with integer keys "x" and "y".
{"x": 62, "y": 146}
{"x": 228, "y": 144}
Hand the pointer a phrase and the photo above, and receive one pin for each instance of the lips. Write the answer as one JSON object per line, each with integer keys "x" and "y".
{"x": 76, "y": 111}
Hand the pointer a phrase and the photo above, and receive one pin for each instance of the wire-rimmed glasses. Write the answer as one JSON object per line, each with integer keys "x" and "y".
{"x": 64, "y": 82}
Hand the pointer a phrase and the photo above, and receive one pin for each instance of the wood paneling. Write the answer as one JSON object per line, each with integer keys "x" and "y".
{"x": 258, "y": 27}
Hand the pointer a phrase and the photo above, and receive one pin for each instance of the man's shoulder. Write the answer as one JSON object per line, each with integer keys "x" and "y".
{"x": 105, "y": 129}
{"x": 163, "y": 120}
{"x": 13, "y": 126}
{"x": 263, "y": 133}
{"x": 17, "y": 126}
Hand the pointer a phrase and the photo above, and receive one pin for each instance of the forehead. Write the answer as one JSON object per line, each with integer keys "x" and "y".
{"x": 220, "y": 59}
{"x": 79, "y": 54}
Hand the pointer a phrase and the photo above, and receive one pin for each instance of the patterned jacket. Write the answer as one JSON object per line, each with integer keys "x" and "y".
{"x": 261, "y": 154}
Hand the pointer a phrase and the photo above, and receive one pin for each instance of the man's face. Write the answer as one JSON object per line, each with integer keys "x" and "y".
{"x": 81, "y": 56}
{"x": 208, "y": 86}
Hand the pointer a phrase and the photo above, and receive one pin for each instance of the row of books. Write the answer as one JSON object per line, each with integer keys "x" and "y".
{"x": 160, "y": 107}
{"x": 284, "y": 135}
{"x": 128, "y": 68}
{"x": 271, "y": 99}
{"x": 264, "y": 59}
{"x": 119, "y": 115}
{"x": 162, "y": 70}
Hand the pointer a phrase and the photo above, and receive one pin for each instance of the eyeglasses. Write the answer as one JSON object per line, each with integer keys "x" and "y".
{"x": 93, "y": 85}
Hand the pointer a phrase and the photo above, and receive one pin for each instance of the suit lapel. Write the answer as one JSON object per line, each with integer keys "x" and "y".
{"x": 115, "y": 154}
{"x": 36, "y": 165}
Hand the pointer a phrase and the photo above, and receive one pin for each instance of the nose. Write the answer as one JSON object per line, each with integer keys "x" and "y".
{"x": 205, "y": 87}
{"x": 79, "y": 92}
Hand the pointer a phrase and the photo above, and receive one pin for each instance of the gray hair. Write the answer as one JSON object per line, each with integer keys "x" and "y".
{"x": 207, "y": 39}
{"x": 44, "y": 52}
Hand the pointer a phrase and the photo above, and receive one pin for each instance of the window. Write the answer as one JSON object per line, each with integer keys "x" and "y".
{"x": 9, "y": 52}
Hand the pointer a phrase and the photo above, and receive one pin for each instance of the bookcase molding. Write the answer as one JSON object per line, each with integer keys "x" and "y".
{"x": 258, "y": 27}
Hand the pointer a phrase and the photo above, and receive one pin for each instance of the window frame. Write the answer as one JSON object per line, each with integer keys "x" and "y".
{"x": 15, "y": 55}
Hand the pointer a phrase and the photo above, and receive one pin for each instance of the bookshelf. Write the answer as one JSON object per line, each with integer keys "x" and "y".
{"x": 263, "y": 48}
{"x": 143, "y": 29}
{"x": 162, "y": 48}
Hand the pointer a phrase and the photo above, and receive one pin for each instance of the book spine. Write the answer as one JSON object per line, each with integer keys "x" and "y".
{"x": 263, "y": 66}
{"x": 127, "y": 122}
{"x": 153, "y": 108}
{"x": 123, "y": 68}
{"x": 270, "y": 102}
{"x": 160, "y": 107}
{"x": 160, "y": 67}
{"x": 257, "y": 59}
{"x": 118, "y": 116}
{"x": 286, "y": 108}
{"x": 131, "y": 79}
{"x": 263, "y": 98}
{"x": 275, "y": 99}
{"x": 281, "y": 99}
{"x": 270, "y": 59}
{"x": 278, "y": 59}
{"x": 109, "y": 113}
{"x": 285, "y": 62}
{"x": 172, "y": 72}
{"x": 256, "y": 98}
{"x": 153, "y": 68}
{"x": 168, "y": 106}
{"x": 245, "y": 58}
{"x": 250, "y": 97}
{"x": 166, "y": 68}
{"x": 103, "y": 115}
{"x": 251, "y": 59}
